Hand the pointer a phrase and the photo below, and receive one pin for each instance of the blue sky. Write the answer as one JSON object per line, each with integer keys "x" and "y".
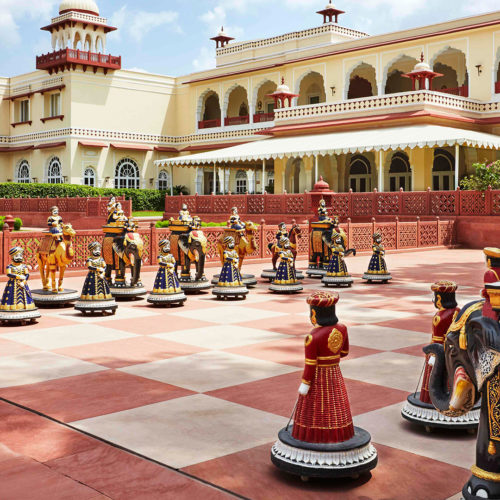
{"x": 171, "y": 37}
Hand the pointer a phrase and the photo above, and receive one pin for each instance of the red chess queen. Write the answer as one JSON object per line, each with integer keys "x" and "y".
{"x": 323, "y": 414}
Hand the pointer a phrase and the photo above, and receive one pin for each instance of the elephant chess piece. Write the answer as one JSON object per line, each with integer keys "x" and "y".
{"x": 17, "y": 305}
{"x": 244, "y": 235}
{"x": 465, "y": 369}
{"x": 323, "y": 441}
{"x": 418, "y": 408}
{"x": 286, "y": 279}
{"x": 230, "y": 283}
{"x": 166, "y": 288}
{"x": 293, "y": 235}
{"x": 189, "y": 245}
{"x": 377, "y": 268}
{"x": 96, "y": 296}
{"x": 122, "y": 249}
{"x": 337, "y": 273}
{"x": 54, "y": 255}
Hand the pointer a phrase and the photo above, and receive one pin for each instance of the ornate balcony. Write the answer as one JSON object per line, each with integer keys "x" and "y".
{"x": 236, "y": 120}
{"x": 67, "y": 59}
{"x": 209, "y": 123}
{"x": 462, "y": 91}
{"x": 497, "y": 87}
{"x": 263, "y": 117}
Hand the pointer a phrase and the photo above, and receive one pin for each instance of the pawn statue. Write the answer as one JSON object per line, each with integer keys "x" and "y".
{"x": 230, "y": 284}
{"x": 323, "y": 441}
{"x": 54, "y": 223}
{"x": 377, "y": 269}
{"x": 322, "y": 211}
{"x": 418, "y": 408}
{"x": 286, "y": 279}
{"x": 96, "y": 296}
{"x": 337, "y": 273}
{"x": 17, "y": 304}
{"x": 166, "y": 288}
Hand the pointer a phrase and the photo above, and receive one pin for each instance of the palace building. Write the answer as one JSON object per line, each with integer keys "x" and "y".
{"x": 411, "y": 109}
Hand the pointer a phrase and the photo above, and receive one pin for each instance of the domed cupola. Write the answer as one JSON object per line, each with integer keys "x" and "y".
{"x": 85, "y": 6}
{"x": 422, "y": 75}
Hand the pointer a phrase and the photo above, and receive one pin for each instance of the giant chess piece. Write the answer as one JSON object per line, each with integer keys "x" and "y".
{"x": 166, "y": 289}
{"x": 17, "y": 304}
{"x": 337, "y": 273}
{"x": 54, "y": 255}
{"x": 323, "y": 441}
{"x": 492, "y": 275}
{"x": 96, "y": 296}
{"x": 377, "y": 268}
{"x": 418, "y": 408}
{"x": 466, "y": 369}
{"x": 293, "y": 235}
{"x": 286, "y": 279}
{"x": 230, "y": 283}
{"x": 189, "y": 245}
{"x": 244, "y": 236}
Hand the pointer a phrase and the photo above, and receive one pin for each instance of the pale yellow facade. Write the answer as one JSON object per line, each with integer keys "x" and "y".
{"x": 109, "y": 129}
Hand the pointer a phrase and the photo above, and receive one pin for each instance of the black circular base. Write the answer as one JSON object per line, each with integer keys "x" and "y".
{"x": 127, "y": 292}
{"x": 285, "y": 289}
{"x": 337, "y": 281}
{"x": 377, "y": 278}
{"x": 96, "y": 306}
{"x": 249, "y": 280}
{"x": 46, "y": 298}
{"x": 316, "y": 273}
{"x": 20, "y": 316}
{"x": 164, "y": 299}
{"x": 426, "y": 415}
{"x": 270, "y": 274}
{"x": 193, "y": 286}
{"x": 230, "y": 292}
{"x": 474, "y": 486}
{"x": 332, "y": 460}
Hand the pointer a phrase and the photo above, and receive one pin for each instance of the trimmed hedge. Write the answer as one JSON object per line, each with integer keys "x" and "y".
{"x": 142, "y": 199}
{"x": 166, "y": 223}
{"x": 18, "y": 223}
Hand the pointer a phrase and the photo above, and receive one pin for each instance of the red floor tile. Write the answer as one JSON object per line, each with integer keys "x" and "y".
{"x": 414, "y": 350}
{"x": 43, "y": 322}
{"x": 155, "y": 324}
{"x": 127, "y": 352}
{"x": 123, "y": 476}
{"x": 292, "y": 324}
{"x": 419, "y": 323}
{"x": 37, "y": 437}
{"x": 85, "y": 396}
{"x": 399, "y": 475}
{"x": 405, "y": 306}
{"x": 10, "y": 348}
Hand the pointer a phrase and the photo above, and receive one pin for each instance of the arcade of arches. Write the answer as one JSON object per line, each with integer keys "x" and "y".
{"x": 311, "y": 89}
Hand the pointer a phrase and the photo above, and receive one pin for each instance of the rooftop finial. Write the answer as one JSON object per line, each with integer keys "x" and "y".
{"x": 422, "y": 57}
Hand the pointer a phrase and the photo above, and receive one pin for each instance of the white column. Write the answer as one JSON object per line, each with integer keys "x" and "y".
{"x": 381, "y": 171}
{"x": 457, "y": 164}
{"x": 171, "y": 180}
{"x": 222, "y": 172}
{"x": 227, "y": 175}
{"x": 263, "y": 176}
{"x": 214, "y": 187}
{"x": 198, "y": 180}
{"x": 251, "y": 181}
{"x": 316, "y": 168}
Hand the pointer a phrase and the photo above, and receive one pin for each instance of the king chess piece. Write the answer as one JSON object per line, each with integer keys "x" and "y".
{"x": 17, "y": 305}
{"x": 323, "y": 441}
{"x": 230, "y": 283}
{"x": 377, "y": 268}
{"x": 286, "y": 279}
{"x": 54, "y": 255}
{"x": 96, "y": 296}
{"x": 166, "y": 289}
{"x": 337, "y": 273}
{"x": 418, "y": 408}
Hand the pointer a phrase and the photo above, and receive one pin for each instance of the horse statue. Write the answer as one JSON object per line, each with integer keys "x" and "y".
{"x": 54, "y": 256}
{"x": 244, "y": 243}
{"x": 294, "y": 236}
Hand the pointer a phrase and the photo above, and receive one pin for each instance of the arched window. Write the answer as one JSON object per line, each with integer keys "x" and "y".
{"x": 400, "y": 172}
{"x": 23, "y": 172}
{"x": 163, "y": 180}
{"x": 54, "y": 171}
{"x": 127, "y": 174}
{"x": 89, "y": 177}
{"x": 443, "y": 171}
{"x": 241, "y": 182}
{"x": 360, "y": 174}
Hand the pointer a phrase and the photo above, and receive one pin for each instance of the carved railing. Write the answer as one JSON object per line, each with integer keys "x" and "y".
{"x": 236, "y": 120}
{"x": 399, "y": 203}
{"x": 396, "y": 235}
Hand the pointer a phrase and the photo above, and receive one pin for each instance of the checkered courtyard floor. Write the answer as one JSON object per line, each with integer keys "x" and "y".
{"x": 186, "y": 402}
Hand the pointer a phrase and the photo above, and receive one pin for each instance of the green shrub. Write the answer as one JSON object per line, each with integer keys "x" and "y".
{"x": 166, "y": 223}
{"x": 486, "y": 175}
{"x": 142, "y": 199}
{"x": 18, "y": 223}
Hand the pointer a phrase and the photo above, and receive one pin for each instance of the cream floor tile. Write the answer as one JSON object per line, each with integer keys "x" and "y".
{"x": 207, "y": 371}
{"x": 123, "y": 312}
{"x": 188, "y": 430}
{"x": 226, "y": 315}
{"x": 389, "y": 369}
{"x": 40, "y": 367}
{"x": 348, "y": 312}
{"x": 388, "y": 427}
{"x": 384, "y": 338}
{"x": 62, "y": 336}
{"x": 221, "y": 336}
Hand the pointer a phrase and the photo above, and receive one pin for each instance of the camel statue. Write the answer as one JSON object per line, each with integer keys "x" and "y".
{"x": 244, "y": 243}
{"x": 53, "y": 256}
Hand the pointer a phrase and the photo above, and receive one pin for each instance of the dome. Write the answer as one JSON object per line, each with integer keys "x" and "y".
{"x": 321, "y": 185}
{"x": 88, "y": 6}
{"x": 222, "y": 32}
{"x": 330, "y": 6}
{"x": 422, "y": 66}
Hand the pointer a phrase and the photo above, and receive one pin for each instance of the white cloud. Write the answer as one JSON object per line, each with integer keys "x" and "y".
{"x": 206, "y": 59}
{"x": 138, "y": 23}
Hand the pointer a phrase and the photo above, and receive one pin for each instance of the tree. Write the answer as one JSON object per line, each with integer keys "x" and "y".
{"x": 486, "y": 175}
